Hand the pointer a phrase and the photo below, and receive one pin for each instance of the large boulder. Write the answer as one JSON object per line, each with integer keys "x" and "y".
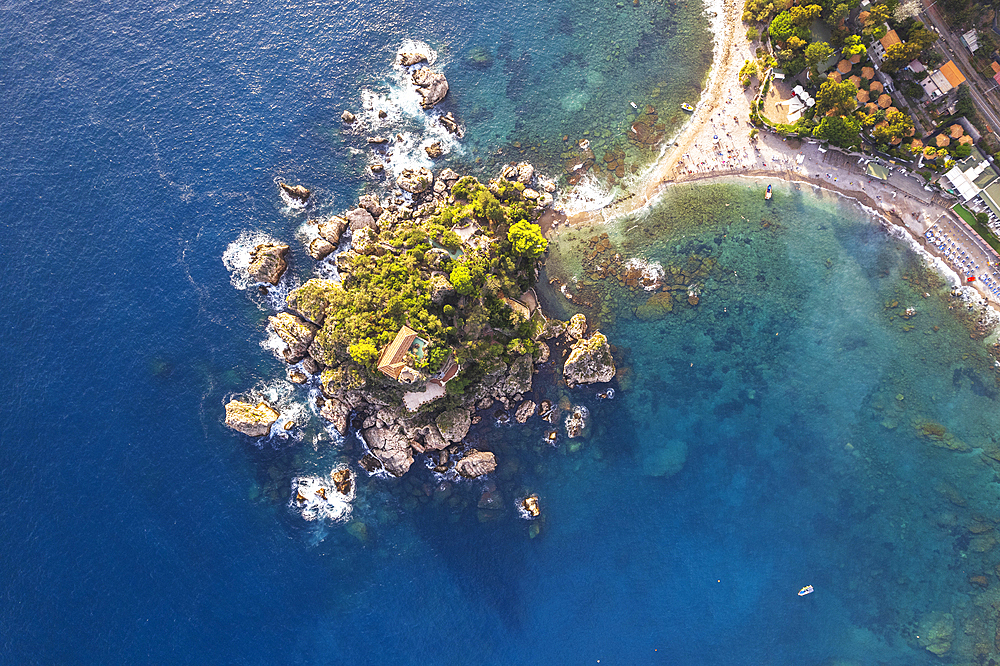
{"x": 296, "y": 192}
{"x": 370, "y": 203}
{"x": 320, "y": 248}
{"x": 525, "y": 173}
{"x": 336, "y": 413}
{"x": 333, "y": 229}
{"x": 358, "y": 218}
{"x": 311, "y": 300}
{"x": 454, "y": 424}
{"x": 589, "y": 361}
{"x": 253, "y": 420}
{"x": 294, "y": 332}
{"x": 431, "y": 85}
{"x": 391, "y": 447}
{"x": 476, "y": 463}
{"x": 450, "y": 124}
{"x": 415, "y": 181}
{"x": 434, "y": 150}
{"x": 347, "y": 117}
{"x": 267, "y": 262}
{"x": 525, "y": 411}
{"x": 433, "y": 441}
{"x": 364, "y": 241}
{"x": 576, "y": 328}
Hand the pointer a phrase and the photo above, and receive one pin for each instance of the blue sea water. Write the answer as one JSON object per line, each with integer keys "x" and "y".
{"x": 140, "y": 141}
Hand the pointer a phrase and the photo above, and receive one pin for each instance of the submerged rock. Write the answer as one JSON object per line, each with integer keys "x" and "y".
{"x": 936, "y": 632}
{"x": 589, "y": 361}
{"x": 665, "y": 458}
{"x": 476, "y": 463}
{"x": 267, "y": 263}
{"x": 432, "y": 86}
{"x": 297, "y": 192}
{"x": 253, "y": 420}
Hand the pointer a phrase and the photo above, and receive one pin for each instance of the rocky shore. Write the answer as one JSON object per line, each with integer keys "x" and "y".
{"x": 497, "y": 340}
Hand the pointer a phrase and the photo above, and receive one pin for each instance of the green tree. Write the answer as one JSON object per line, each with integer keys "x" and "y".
{"x": 816, "y": 53}
{"x": 747, "y": 72}
{"x": 785, "y": 25}
{"x": 839, "y": 130}
{"x": 853, "y": 47}
{"x": 900, "y": 54}
{"x": 898, "y": 127}
{"x": 840, "y": 12}
{"x": 461, "y": 279}
{"x": 526, "y": 240}
{"x": 983, "y": 218}
{"x": 364, "y": 352}
{"x": 841, "y": 97}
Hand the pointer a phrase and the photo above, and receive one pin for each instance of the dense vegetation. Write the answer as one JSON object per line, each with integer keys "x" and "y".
{"x": 418, "y": 272}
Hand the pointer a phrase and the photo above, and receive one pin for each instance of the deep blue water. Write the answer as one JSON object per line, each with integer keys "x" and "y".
{"x": 138, "y": 143}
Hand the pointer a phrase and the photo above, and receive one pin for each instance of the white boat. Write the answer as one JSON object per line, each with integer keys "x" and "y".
{"x": 808, "y": 589}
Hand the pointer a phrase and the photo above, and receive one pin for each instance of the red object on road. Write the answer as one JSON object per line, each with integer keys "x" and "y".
{"x": 970, "y": 279}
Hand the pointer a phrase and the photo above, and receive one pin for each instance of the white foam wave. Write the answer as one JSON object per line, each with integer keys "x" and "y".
{"x": 587, "y": 195}
{"x": 316, "y": 497}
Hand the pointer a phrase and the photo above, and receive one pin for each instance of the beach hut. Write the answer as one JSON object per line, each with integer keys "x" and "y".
{"x": 876, "y": 87}
{"x": 843, "y": 66}
{"x": 868, "y": 72}
{"x": 955, "y": 131}
{"x": 862, "y": 96}
{"x": 942, "y": 141}
{"x": 884, "y": 101}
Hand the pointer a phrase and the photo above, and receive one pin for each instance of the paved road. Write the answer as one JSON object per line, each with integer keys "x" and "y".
{"x": 950, "y": 46}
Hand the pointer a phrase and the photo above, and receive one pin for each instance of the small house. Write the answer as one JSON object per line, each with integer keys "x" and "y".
{"x": 395, "y": 361}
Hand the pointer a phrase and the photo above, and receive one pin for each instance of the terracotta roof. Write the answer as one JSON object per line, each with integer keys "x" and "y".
{"x": 856, "y": 58}
{"x": 965, "y": 140}
{"x": 875, "y": 86}
{"x": 956, "y": 131}
{"x": 996, "y": 77}
{"x": 868, "y": 72}
{"x": 890, "y": 38}
{"x": 862, "y": 96}
{"x": 996, "y": 66}
{"x": 843, "y": 67}
{"x": 884, "y": 101}
{"x": 951, "y": 73}
{"x": 863, "y": 16}
{"x": 941, "y": 140}
{"x": 834, "y": 76}
{"x": 392, "y": 362}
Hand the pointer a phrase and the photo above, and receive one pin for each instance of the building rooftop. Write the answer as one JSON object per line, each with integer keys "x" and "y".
{"x": 394, "y": 362}
{"x": 951, "y": 73}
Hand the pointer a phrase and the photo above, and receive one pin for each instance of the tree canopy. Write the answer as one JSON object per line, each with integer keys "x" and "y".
{"x": 840, "y": 97}
{"x": 526, "y": 239}
{"x": 839, "y": 130}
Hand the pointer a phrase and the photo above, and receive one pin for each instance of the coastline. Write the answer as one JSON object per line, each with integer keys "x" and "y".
{"x": 715, "y": 144}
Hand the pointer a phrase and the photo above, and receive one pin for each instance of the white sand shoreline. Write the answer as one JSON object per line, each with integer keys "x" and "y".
{"x": 715, "y": 144}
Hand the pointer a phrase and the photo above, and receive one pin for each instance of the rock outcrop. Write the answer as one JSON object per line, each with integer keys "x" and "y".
{"x": 391, "y": 448}
{"x": 336, "y": 413}
{"x": 434, "y": 150}
{"x": 450, "y": 124}
{"x": 253, "y": 420}
{"x": 454, "y": 424}
{"x": 415, "y": 181}
{"x": 333, "y": 229}
{"x": 431, "y": 85}
{"x": 311, "y": 299}
{"x": 297, "y": 192}
{"x": 347, "y": 117}
{"x": 297, "y": 333}
{"x": 525, "y": 411}
{"x": 409, "y": 59}
{"x": 476, "y": 463}
{"x": 589, "y": 361}
{"x": 320, "y": 248}
{"x": 576, "y": 328}
{"x": 267, "y": 263}
{"x": 359, "y": 217}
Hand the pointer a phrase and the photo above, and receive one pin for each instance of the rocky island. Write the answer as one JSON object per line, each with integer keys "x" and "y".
{"x": 430, "y": 321}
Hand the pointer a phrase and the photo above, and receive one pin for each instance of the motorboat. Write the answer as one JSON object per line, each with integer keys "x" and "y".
{"x": 687, "y": 107}
{"x": 767, "y": 193}
{"x": 808, "y": 589}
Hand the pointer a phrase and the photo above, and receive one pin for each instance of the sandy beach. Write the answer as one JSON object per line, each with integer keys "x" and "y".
{"x": 716, "y": 143}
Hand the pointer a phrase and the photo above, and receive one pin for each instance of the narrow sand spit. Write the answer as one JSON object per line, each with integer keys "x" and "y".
{"x": 715, "y": 143}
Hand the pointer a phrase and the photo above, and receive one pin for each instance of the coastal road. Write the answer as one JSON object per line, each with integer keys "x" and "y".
{"x": 950, "y": 46}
